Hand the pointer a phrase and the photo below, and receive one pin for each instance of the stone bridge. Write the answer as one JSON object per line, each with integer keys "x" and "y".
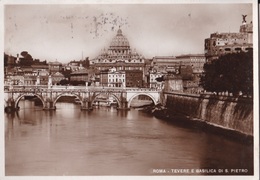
{"x": 86, "y": 95}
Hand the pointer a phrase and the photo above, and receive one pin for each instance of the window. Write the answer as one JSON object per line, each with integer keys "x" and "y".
{"x": 249, "y": 48}
{"x": 227, "y": 49}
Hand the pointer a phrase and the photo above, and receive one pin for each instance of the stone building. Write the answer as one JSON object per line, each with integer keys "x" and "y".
{"x": 127, "y": 78}
{"x": 196, "y": 61}
{"x": 42, "y": 77}
{"x": 112, "y": 78}
{"x": 153, "y": 83}
{"x": 173, "y": 83}
{"x": 134, "y": 78}
{"x": 173, "y": 63}
{"x": 30, "y": 79}
{"x": 41, "y": 67}
{"x": 14, "y": 80}
{"x": 80, "y": 75}
{"x": 223, "y": 43}
{"x": 57, "y": 77}
{"x": 55, "y": 66}
{"x": 165, "y": 63}
{"x": 179, "y": 65}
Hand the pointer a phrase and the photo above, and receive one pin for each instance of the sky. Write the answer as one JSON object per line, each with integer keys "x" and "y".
{"x": 66, "y": 32}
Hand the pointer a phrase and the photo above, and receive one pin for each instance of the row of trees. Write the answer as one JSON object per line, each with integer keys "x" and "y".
{"x": 27, "y": 60}
{"x": 231, "y": 72}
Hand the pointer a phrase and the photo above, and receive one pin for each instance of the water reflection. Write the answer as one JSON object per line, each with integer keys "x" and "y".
{"x": 105, "y": 141}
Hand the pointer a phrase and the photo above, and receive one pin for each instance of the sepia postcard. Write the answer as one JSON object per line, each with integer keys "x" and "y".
{"x": 129, "y": 89}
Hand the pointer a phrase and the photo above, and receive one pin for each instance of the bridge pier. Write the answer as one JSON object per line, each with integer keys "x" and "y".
{"x": 10, "y": 106}
{"x": 123, "y": 103}
{"x": 86, "y": 105}
{"x": 49, "y": 105}
{"x": 124, "y": 106}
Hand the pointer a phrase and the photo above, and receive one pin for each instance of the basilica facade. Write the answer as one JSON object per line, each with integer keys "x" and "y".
{"x": 118, "y": 55}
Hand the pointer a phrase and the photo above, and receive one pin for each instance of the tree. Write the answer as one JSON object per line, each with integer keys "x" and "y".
{"x": 64, "y": 82}
{"x": 231, "y": 72}
{"x": 86, "y": 63}
{"x": 78, "y": 83}
{"x": 66, "y": 73}
{"x": 5, "y": 60}
{"x": 27, "y": 59}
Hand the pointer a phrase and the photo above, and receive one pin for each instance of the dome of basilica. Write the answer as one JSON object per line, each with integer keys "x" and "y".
{"x": 119, "y": 40}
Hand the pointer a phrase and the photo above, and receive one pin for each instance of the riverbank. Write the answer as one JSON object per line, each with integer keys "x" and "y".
{"x": 168, "y": 116}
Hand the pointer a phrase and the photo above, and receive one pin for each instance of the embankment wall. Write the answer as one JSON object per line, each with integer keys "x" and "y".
{"x": 222, "y": 111}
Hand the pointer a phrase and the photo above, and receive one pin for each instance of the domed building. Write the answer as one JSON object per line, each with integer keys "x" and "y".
{"x": 119, "y": 55}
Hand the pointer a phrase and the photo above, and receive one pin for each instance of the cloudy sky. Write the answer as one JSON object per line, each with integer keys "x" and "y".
{"x": 65, "y": 32}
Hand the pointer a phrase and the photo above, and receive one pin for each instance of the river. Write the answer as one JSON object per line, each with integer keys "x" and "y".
{"x": 105, "y": 141}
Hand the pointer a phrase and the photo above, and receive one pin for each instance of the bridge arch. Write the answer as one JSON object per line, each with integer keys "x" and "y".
{"x": 110, "y": 94}
{"x": 23, "y": 95}
{"x": 138, "y": 94}
{"x": 67, "y": 94}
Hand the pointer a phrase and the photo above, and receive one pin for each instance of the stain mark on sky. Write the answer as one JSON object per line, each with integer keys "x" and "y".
{"x": 99, "y": 24}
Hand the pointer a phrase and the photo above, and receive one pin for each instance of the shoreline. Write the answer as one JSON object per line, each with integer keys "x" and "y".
{"x": 161, "y": 113}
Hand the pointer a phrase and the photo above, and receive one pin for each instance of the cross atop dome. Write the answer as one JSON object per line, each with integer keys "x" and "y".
{"x": 119, "y": 32}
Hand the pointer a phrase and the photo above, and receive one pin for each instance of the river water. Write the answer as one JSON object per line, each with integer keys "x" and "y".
{"x": 105, "y": 141}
